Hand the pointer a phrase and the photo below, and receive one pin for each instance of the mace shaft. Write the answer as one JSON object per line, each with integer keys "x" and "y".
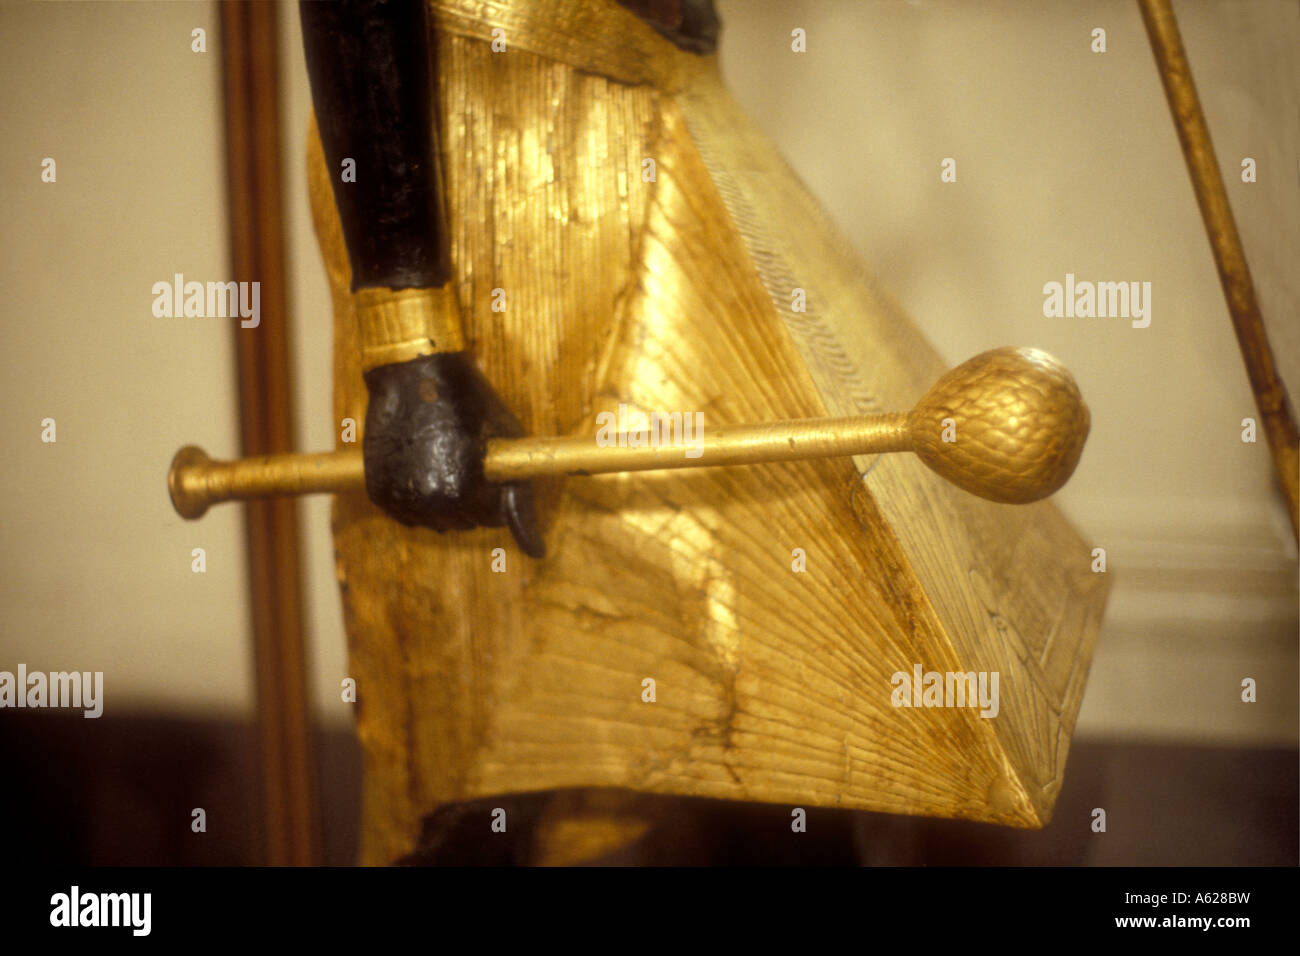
{"x": 789, "y": 440}
{"x": 196, "y": 481}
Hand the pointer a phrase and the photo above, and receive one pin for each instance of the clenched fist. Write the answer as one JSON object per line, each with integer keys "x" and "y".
{"x": 426, "y": 434}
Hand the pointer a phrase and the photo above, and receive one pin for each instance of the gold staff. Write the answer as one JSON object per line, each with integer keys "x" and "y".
{"x": 1008, "y": 425}
{"x": 1229, "y": 255}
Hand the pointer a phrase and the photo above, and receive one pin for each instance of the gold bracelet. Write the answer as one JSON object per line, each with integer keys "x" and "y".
{"x": 397, "y": 325}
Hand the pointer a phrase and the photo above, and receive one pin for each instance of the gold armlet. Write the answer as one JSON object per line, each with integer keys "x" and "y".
{"x": 397, "y": 325}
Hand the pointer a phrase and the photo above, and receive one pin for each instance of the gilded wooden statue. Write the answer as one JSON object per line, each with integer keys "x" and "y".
{"x": 539, "y": 217}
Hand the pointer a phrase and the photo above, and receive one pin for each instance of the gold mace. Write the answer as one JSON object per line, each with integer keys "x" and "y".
{"x": 1008, "y": 425}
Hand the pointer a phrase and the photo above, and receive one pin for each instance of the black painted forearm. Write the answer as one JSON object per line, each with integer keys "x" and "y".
{"x": 370, "y": 64}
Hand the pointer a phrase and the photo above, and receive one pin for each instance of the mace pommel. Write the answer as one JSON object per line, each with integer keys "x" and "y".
{"x": 1008, "y": 425}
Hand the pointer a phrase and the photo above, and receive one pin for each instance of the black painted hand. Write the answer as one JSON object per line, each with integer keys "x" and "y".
{"x": 426, "y": 433}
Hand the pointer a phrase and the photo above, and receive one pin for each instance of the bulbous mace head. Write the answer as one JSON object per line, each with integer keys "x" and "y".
{"x": 1008, "y": 425}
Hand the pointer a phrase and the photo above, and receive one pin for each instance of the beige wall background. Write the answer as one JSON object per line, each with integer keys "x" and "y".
{"x": 1066, "y": 162}
{"x": 94, "y": 571}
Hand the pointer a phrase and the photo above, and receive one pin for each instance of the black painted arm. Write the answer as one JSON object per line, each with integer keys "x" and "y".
{"x": 370, "y": 65}
{"x": 431, "y": 411}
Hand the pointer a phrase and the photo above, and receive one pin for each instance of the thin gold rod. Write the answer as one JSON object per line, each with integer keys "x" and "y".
{"x": 196, "y": 481}
{"x": 793, "y": 440}
{"x": 1229, "y": 256}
